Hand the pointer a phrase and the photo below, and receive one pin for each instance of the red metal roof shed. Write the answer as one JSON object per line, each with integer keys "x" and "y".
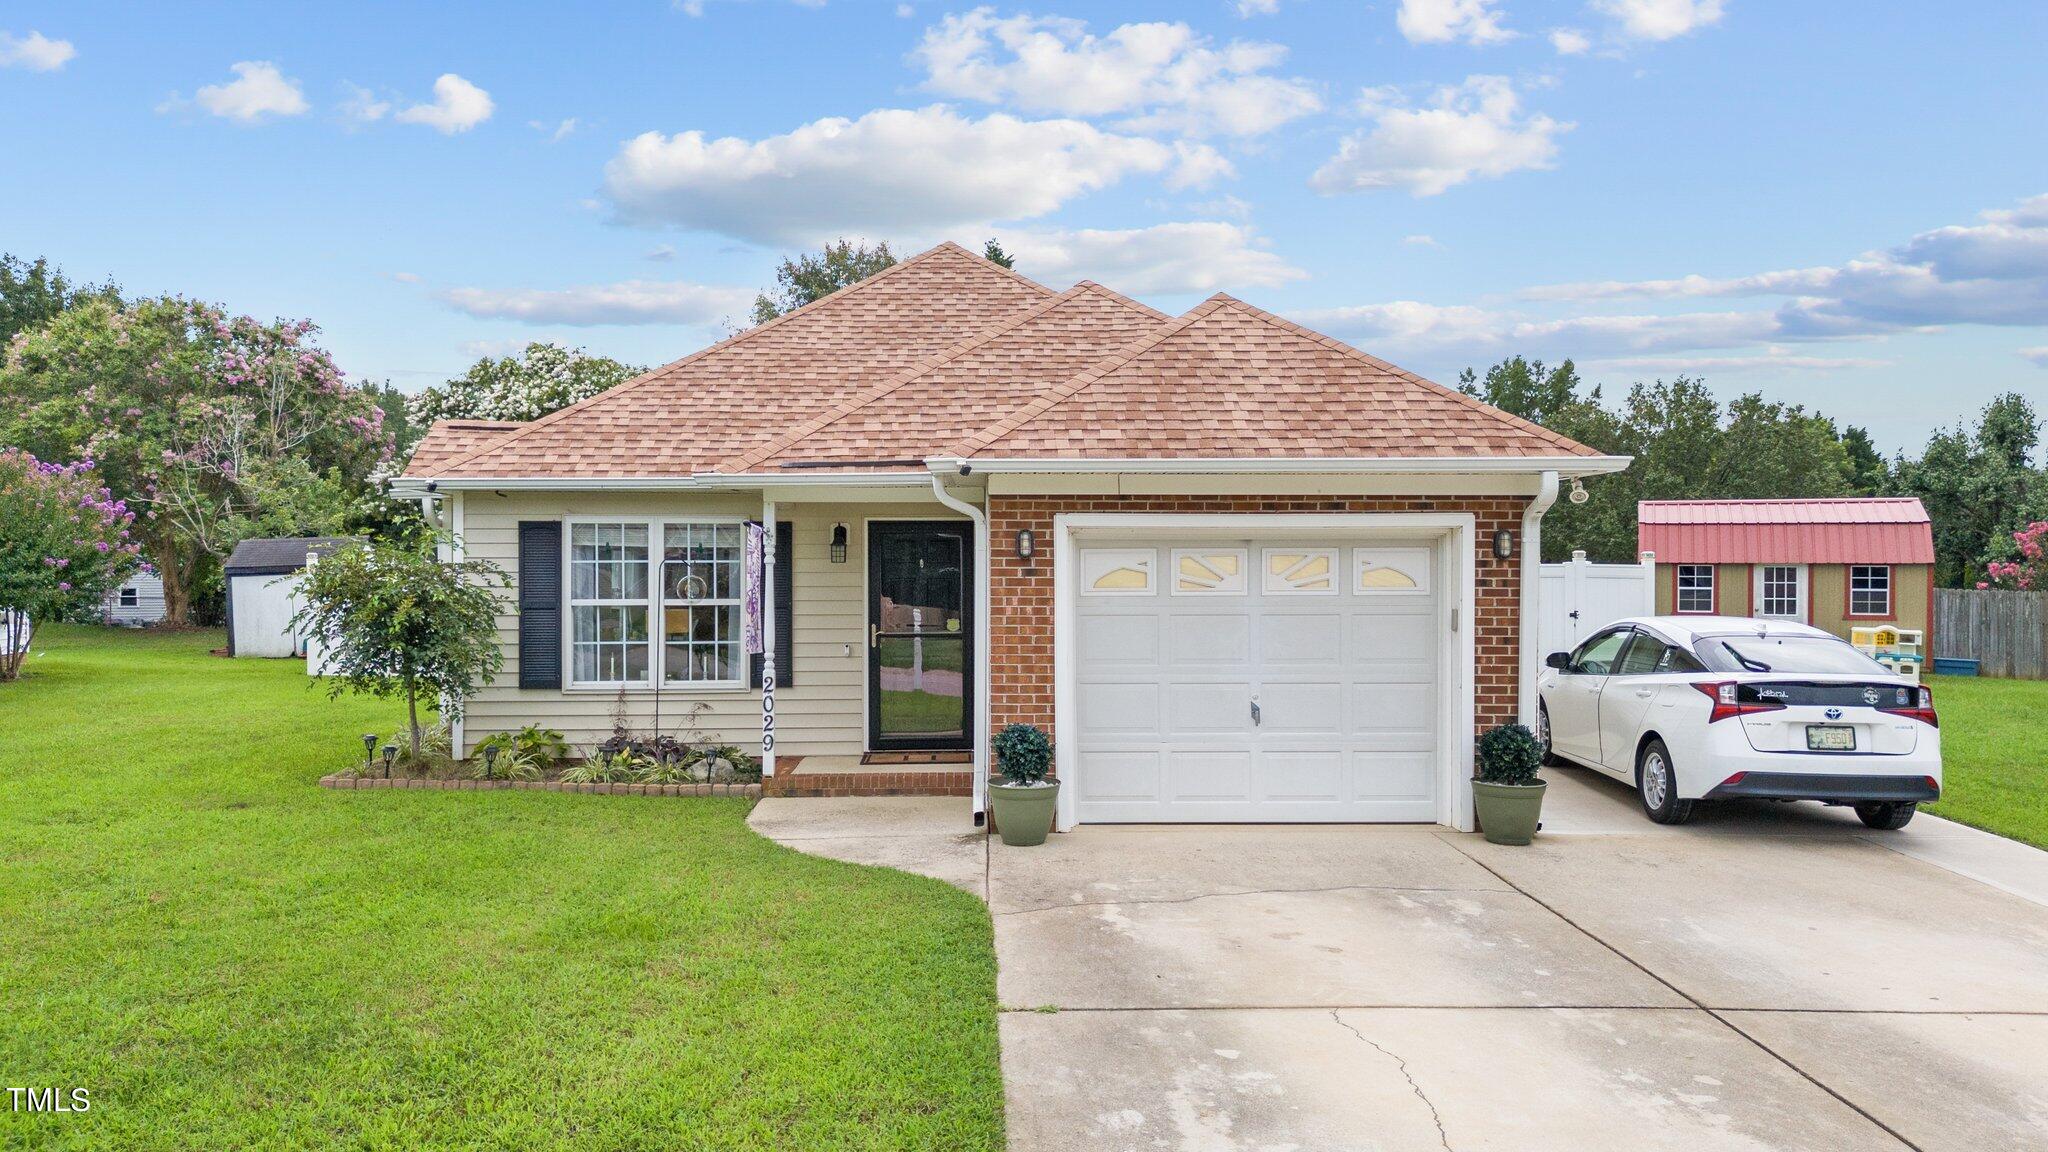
{"x": 1839, "y": 530}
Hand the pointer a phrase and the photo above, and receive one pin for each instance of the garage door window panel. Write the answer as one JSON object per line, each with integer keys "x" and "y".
{"x": 1209, "y": 571}
{"x": 1300, "y": 572}
{"x": 1117, "y": 572}
{"x": 1390, "y": 571}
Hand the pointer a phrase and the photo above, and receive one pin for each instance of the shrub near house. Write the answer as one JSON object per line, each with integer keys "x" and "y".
{"x": 64, "y": 543}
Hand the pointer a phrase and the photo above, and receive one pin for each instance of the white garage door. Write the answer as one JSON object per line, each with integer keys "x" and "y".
{"x": 1261, "y": 680}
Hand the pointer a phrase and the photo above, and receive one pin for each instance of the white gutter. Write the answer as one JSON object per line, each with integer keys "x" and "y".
{"x": 981, "y": 663}
{"x": 1532, "y": 587}
{"x": 1181, "y": 465}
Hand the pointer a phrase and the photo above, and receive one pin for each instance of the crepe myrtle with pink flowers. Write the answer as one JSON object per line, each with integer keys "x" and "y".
{"x": 2028, "y": 573}
{"x": 64, "y": 543}
{"x": 213, "y": 428}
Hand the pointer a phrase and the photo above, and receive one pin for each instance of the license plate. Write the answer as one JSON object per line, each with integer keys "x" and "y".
{"x": 1830, "y": 738}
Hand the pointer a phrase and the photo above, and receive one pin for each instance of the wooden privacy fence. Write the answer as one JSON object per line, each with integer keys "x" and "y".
{"x": 2005, "y": 632}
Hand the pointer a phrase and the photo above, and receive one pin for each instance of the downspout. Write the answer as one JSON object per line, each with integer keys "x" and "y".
{"x": 981, "y": 634}
{"x": 1532, "y": 584}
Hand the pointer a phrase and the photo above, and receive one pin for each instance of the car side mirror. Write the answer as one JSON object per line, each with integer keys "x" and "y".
{"x": 1562, "y": 661}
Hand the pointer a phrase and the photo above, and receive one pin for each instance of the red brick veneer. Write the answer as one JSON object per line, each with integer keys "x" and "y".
{"x": 1021, "y": 595}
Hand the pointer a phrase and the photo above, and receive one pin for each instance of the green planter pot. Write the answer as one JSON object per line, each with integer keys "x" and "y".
{"x": 1023, "y": 812}
{"x": 1508, "y": 813}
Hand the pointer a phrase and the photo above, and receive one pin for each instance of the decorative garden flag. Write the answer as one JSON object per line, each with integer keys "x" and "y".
{"x": 750, "y": 589}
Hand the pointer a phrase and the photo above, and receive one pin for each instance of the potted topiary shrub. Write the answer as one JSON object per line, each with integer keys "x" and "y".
{"x": 1022, "y": 804}
{"x": 1507, "y": 794}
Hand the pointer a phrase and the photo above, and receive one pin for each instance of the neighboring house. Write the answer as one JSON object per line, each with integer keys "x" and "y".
{"x": 137, "y": 603}
{"x": 1835, "y": 563}
{"x": 263, "y": 581}
{"x": 1237, "y": 569}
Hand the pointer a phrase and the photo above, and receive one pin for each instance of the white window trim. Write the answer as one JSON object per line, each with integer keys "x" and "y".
{"x": 1267, "y": 580}
{"x": 1151, "y": 569}
{"x": 658, "y": 648}
{"x": 1800, "y": 583}
{"x": 1884, "y": 613}
{"x": 129, "y": 597}
{"x": 1388, "y": 558}
{"x": 1678, "y": 590}
{"x": 1244, "y": 572}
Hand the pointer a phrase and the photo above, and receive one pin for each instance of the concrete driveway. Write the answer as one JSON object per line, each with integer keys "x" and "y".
{"x": 1772, "y": 977}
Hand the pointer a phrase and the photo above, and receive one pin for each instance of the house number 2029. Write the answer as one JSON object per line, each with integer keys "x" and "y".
{"x": 768, "y": 704}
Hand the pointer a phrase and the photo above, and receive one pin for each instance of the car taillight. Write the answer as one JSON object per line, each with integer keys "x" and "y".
{"x": 1727, "y": 701}
{"x": 1914, "y": 704}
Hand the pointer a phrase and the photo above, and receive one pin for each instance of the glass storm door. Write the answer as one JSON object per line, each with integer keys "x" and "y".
{"x": 920, "y": 658}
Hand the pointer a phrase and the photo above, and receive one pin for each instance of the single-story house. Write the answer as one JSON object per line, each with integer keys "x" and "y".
{"x": 137, "y": 603}
{"x": 263, "y": 582}
{"x": 1238, "y": 570}
{"x": 1837, "y": 563}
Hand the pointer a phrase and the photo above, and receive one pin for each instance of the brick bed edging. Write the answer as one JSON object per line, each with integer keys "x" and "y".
{"x": 348, "y": 783}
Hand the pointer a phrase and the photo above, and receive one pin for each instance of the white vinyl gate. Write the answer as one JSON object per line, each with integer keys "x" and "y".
{"x": 1578, "y": 598}
{"x": 1291, "y": 679}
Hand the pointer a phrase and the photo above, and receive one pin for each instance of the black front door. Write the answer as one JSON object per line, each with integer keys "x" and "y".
{"x": 920, "y": 624}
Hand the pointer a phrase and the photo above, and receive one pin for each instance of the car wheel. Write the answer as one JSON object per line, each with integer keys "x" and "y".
{"x": 1550, "y": 759}
{"x": 1890, "y": 817}
{"x": 1657, "y": 783}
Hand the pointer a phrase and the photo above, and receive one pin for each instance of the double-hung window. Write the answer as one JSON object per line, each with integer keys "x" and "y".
{"x": 700, "y": 604}
{"x": 1696, "y": 588}
{"x": 1870, "y": 590}
{"x": 654, "y": 599}
{"x": 608, "y": 603}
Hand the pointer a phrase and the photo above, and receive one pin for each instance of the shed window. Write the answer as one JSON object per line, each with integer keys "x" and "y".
{"x": 131, "y": 597}
{"x": 1870, "y": 590}
{"x": 1696, "y": 588}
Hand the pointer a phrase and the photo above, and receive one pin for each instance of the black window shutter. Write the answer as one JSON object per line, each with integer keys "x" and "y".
{"x": 540, "y": 604}
{"x": 785, "y": 627}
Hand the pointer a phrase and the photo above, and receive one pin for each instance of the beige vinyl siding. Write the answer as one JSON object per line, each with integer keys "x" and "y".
{"x": 822, "y": 713}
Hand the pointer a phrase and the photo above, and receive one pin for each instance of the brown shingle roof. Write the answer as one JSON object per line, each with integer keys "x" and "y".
{"x": 949, "y": 354}
{"x": 453, "y": 439}
{"x": 1229, "y": 380}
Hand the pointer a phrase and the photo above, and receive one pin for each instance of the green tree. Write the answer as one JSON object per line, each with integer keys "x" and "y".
{"x": 1979, "y": 487}
{"x": 994, "y": 254}
{"x": 1869, "y": 474}
{"x": 398, "y": 620}
{"x": 540, "y": 380}
{"x": 1686, "y": 445}
{"x": 210, "y": 427}
{"x": 32, "y": 293}
{"x": 812, "y": 276}
{"x": 64, "y": 544}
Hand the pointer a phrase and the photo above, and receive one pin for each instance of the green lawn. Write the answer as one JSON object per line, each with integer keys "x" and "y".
{"x": 1994, "y": 754}
{"x": 228, "y": 956}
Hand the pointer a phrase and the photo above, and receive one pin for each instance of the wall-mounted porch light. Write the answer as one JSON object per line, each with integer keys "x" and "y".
{"x": 1503, "y": 544}
{"x": 1026, "y": 543}
{"x": 839, "y": 543}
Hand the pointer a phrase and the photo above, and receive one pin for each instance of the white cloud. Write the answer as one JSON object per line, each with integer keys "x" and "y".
{"x": 1421, "y": 240}
{"x": 1570, "y": 41}
{"x": 1445, "y": 21}
{"x": 1415, "y": 327}
{"x": 2037, "y": 355}
{"x": 1473, "y": 130}
{"x": 363, "y": 106}
{"x": 1159, "y": 76}
{"x": 1197, "y": 166}
{"x": 406, "y": 277}
{"x": 1660, "y": 19}
{"x": 1776, "y": 359}
{"x": 627, "y": 302}
{"x": 928, "y": 171}
{"x": 905, "y": 11}
{"x": 1191, "y": 257}
{"x": 1246, "y": 9}
{"x": 35, "y": 52}
{"x": 458, "y": 106}
{"x": 661, "y": 253}
{"x": 556, "y": 131}
{"x": 258, "y": 91}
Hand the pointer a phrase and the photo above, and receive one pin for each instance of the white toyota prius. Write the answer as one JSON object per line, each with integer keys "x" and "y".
{"x": 1691, "y": 708}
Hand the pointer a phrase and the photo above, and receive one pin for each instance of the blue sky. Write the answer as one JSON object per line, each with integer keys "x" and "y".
{"x": 1844, "y": 205}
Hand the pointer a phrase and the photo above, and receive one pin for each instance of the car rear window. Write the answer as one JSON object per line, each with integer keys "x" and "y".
{"x": 1823, "y": 655}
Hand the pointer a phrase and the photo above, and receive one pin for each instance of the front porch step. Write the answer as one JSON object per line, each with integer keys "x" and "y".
{"x": 847, "y": 776}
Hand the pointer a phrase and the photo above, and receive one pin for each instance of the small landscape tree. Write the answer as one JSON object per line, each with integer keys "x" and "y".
{"x": 64, "y": 544}
{"x": 399, "y": 620}
{"x": 2030, "y": 571}
{"x": 540, "y": 380}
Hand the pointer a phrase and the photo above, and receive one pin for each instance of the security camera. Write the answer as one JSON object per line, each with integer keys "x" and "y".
{"x": 966, "y": 468}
